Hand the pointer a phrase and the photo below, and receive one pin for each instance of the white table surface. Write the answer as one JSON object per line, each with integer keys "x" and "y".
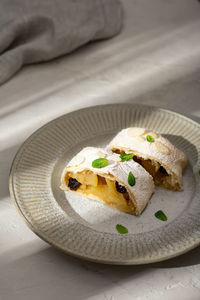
{"x": 155, "y": 61}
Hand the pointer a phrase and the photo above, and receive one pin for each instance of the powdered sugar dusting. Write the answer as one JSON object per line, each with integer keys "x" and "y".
{"x": 161, "y": 149}
{"x": 140, "y": 193}
{"x": 103, "y": 218}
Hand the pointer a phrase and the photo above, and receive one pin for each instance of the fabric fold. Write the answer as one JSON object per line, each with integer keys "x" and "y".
{"x": 38, "y": 31}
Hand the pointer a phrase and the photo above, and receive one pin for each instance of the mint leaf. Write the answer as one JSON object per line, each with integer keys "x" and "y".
{"x": 160, "y": 215}
{"x": 100, "y": 163}
{"x": 150, "y": 139}
{"x": 121, "y": 229}
{"x": 131, "y": 179}
{"x": 125, "y": 157}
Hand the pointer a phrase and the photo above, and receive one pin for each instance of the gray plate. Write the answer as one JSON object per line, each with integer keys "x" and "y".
{"x": 86, "y": 228}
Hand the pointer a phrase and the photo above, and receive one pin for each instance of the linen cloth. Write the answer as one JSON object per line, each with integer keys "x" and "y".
{"x": 37, "y": 31}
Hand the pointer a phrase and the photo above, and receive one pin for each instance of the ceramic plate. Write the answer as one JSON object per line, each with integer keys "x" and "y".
{"x": 85, "y": 228}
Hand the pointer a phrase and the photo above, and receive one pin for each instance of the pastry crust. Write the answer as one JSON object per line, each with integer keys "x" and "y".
{"x": 137, "y": 196}
{"x": 152, "y": 155}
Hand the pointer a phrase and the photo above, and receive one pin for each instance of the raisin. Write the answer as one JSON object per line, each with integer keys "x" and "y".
{"x": 162, "y": 170}
{"x": 73, "y": 184}
{"x": 120, "y": 188}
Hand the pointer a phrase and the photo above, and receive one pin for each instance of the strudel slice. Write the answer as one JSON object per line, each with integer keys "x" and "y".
{"x": 101, "y": 176}
{"x": 154, "y": 152}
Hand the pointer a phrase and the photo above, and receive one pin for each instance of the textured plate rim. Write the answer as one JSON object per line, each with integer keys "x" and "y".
{"x": 133, "y": 261}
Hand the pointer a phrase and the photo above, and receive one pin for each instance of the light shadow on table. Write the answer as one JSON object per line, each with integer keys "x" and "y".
{"x": 6, "y": 157}
{"x": 188, "y": 259}
{"x": 115, "y": 65}
{"x": 48, "y": 273}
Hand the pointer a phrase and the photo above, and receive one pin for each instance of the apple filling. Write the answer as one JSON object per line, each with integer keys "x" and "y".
{"x": 100, "y": 188}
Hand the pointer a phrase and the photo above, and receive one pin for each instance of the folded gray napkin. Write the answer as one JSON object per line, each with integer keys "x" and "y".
{"x": 39, "y": 30}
